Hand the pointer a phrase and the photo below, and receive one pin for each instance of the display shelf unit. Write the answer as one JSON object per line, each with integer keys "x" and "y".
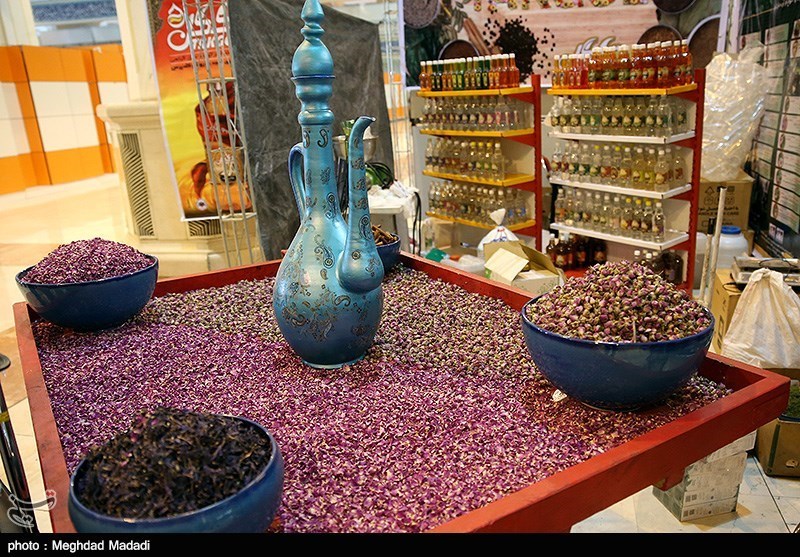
{"x": 553, "y": 504}
{"x": 510, "y": 180}
{"x": 530, "y": 137}
{"x": 597, "y": 137}
{"x": 527, "y": 225}
{"x": 682, "y": 240}
{"x": 672, "y": 238}
{"x": 673, "y": 192}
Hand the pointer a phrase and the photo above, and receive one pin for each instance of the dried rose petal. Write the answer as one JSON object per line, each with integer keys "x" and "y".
{"x": 445, "y": 414}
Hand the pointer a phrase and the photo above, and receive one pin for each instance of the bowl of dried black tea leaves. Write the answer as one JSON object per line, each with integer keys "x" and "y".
{"x": 175, "y": 471}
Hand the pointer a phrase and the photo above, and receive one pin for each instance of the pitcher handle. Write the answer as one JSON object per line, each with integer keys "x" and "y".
{"x": 296, "y": 179}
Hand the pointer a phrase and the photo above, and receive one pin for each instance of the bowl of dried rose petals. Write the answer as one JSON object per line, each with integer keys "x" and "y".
{"x": 89, "y": 285}
{"x": 619, "y": 338}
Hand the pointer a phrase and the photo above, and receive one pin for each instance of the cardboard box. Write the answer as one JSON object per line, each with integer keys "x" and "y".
{"x": 778, "y": 448}
{"x": 685, "y": 513}
{"x": 737, "y": 202}
{"x": 729, "y": 468}
{"x": 725, "y": 296}
{"x": 518, "y": 265}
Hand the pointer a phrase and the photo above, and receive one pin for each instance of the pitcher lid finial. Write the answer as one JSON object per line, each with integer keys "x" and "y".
{"x": 312, "y": 57}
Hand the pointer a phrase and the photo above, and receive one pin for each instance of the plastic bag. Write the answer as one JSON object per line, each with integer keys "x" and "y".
{"x": 499, "y": 233}
{"x": 735, "y": 96}
{"x": 765, "y": 327}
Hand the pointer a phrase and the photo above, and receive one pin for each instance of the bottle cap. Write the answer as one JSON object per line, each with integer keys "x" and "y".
{"x": 685, "y": 42}
{"x": 676, "y": 43}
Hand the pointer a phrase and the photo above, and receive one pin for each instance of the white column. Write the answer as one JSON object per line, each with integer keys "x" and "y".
{"x": 134, "y": 29}
{"x": 17, "y": 26}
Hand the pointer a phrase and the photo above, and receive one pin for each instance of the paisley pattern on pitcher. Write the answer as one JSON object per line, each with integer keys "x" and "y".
{"x": 365, "y": 226}
{"x": 356, "y": 254}
{"x": 323, "y": 252}
{"x": 361, "y": 185}
{"x": 362, "y": 203}
{"x": 358, "y": 164}
{"x": 323, "y": 133}
{"x": 306, "y": 138}
{"x": 372, "y": 267}
{"x": 330, "y": 206}
{"x": 325, "y": 175}
{"x": 308, "y": 178}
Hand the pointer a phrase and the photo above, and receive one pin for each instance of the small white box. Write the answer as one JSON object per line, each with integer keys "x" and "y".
{"x": 743, "y": 444}
{"x": 686, "y": 513}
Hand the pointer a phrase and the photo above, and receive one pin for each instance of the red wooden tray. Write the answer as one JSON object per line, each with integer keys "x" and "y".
{"x": 551, "y": 505}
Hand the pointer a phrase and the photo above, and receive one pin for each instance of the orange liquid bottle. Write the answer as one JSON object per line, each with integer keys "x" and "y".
{"x": 649, "y": 66}
{"x": 584, "y": 71}
{"x": 664, "y": 71}
{"x": 676, "y": 65}
{"x": 423, "y": 77}
{"x": 594, "y": 73}
{"x": 687, "y": 66}
{"x": 623, "y": 67}
{"x": 635, "y": 77}
{"x": 515, "y": 76}
{"x": 505, "y": 71}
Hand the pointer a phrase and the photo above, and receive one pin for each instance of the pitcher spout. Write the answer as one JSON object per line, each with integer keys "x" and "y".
{"x": 359, "y": 267}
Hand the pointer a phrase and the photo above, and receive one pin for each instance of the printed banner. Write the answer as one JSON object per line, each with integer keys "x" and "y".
{"x": 775, "y": 212}
{"x": 182, "y": 115}
{"x": 534, "y": 30}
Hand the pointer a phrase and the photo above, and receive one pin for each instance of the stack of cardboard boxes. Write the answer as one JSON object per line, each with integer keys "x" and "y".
{"x": 710, "y": 486}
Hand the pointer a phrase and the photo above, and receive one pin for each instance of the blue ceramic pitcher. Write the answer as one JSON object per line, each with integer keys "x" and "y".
{"x": 327, "y": 298}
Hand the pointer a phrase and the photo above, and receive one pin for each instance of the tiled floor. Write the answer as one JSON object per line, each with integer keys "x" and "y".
{"x": 34, "y": 222}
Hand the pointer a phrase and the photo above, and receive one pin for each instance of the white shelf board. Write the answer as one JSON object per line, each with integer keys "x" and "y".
{"x": 673, "y": 237}
{"x": 623, "y": 191}
{"x": 624, "y": 138}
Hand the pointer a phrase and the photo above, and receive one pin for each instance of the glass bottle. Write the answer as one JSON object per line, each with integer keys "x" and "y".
{"x": 623, "y": 67}
{"x": 617, "y": 114}
{"x": 659, "y": 222}
{"x": 605, "y": 116}
{"x": 605, "y": 165}
{"x": 680, "y": 116}
{"x": 676, "y": 78}
{"x": 575, "y": 116}
{"x": 594, "y": 73}
{"x": 636, "y": 66}
{"x": 616, "y": 162}
{"x": 628, "y": 110}
{"x": 562, "y": 252}
{"x": 687, "y": 67}
{"x": 581, "y": 256}
{"x": 614, "y": 223}
{"x": 650, "y": 117}
{"x": 626, "y": 217}
{"x": 637, "y": 169}
{"x": 498, "y": 163}
{"x": 637, "y": 256}
{"x": 664, "y": 71}
{"x": 555, "y": 161}
{"x": 560, "y": 208}
{"x": 599, "y": 252}
{"x": 587, "y": 214}
{"x": 657, "y": 264}
{"x": 664, "y": 117}
{"x": 577, "y": 209}
{"x": 595, "y": 115}
{"x": 625, "y": 168}
{"x": 679, "y": 177}
{"x": 574, "y": 162}
{"x": 569, "y": 218}
{"x": 648, "y": 174}
{"x": 639, "y": 117}
{"x": 646, "y": 222}
{"x": 673, "y": 267}
{"x": 605, "y": 219}
{"x": 515, "y": 74}
{"x": 598, "y": 220}
{"x": 636, "y": 218}
{"x": 649, "y": 66}
{"x": 551, "y": 249}
{"x": 660, "y": 172}
{"x": 595, "y": 165}
{"x": 585, "y": 163}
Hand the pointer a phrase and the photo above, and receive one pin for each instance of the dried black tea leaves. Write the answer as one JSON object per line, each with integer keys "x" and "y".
{"x": 172, "y": 462}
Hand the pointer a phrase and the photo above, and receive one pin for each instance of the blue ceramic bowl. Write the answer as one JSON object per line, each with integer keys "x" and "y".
{"x": 251, "y": 510}
{"x": 620, "y": 376}
{"x": 92, "y": 305}
{"x": 389, "y": 253}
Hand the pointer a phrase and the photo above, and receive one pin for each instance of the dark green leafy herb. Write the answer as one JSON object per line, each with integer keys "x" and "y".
{"x": 171, "y": 462}
{"x": 793, "y": 409}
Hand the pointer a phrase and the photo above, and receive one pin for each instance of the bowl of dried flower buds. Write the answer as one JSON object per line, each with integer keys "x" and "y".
{"x": 619, "y": 338}
{"x": 388, "y": 247}
{"x": 175, "y": 471}
{"x": 88, "y": 285}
